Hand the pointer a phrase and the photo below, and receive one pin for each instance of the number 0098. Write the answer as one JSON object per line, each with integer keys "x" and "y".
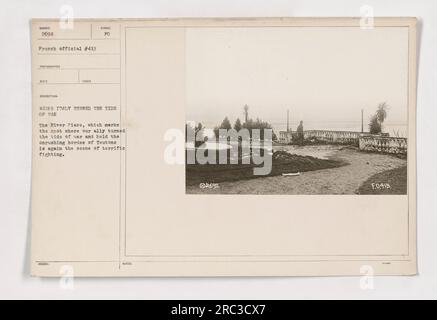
{"x": 47, "y": 33}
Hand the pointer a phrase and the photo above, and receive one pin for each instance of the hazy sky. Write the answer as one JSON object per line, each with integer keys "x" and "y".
{"x": 320, "y": 74}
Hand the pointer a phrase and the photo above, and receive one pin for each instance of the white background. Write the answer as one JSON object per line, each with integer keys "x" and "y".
{"x": 15, "y": 155}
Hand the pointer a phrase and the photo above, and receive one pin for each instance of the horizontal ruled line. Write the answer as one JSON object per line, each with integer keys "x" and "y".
{"x": 65, "y": 39}
{"x": 73, "y": 83}
{"x": 78, "y": 54}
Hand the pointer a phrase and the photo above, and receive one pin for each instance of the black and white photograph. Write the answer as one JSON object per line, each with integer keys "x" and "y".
{"x": 319, "y": 110}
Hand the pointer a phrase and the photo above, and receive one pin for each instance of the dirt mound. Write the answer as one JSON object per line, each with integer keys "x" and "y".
{"x": 282, "y": 162}
{"x": 302, "y": 163}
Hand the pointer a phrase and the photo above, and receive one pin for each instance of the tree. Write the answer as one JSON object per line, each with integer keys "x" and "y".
{"x": 226, "y": 124}
{"x": 376, "y": 121}
{"x": 237, "y": 125}
{"x": 198, "y": 135}
{"x": 381, "y": 112}
{"x": 258, "y": 124}
{"x": 199, "y": 139}
{"x": 374, "y": 125}
{"x": 216, "y": 132}
{"x": 199, "y": 128}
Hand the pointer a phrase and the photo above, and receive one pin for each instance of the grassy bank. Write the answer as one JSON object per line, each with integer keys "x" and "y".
{"x": 392, "y": 181}
{"x": 282, "y": 162}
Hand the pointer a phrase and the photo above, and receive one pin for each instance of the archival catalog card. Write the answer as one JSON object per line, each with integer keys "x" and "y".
{"x": 224, "y": 147}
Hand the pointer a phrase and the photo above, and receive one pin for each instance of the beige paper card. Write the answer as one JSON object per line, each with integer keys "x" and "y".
{"x": 224, "y": 147}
